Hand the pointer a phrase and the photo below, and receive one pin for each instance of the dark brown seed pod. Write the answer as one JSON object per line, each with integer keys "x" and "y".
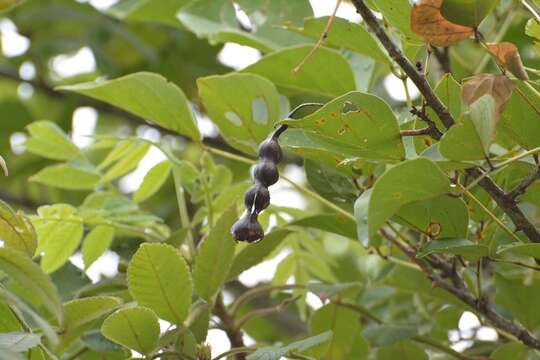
{"x": 266, "y": 173}
{"x": 247, "y": 229}
{"x": 257, "y": 197}
{"x": 270, "y": 150}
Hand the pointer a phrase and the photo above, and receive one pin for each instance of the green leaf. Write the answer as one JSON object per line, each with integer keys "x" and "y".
{"x": 466, "y": 12}
{"x": 519, "y": 249}
{"x": 255, "y": 253}
{"x": 398, "y": 13}
{"x": 462, "y": 247}
{"x": 461, "y": 142}
{"x": 49, "y": 141}
{"x": 402, "y": 350}
{"x": 362, "y": 122}
{"x": 485, "y": 118}
{"x": 521, "y": 117}
{"x": 67, "y": 176}
{"x": 510, "y": 351}
{"x": 18, "y": 341}
{"x": 163, "y": 11}
{"x": 28, "y": 274}
{"x": 343, "y": 323}
{"x": 80, "y": 312}
{"x": 449, "y": 91}
{"x": 16, "y": 231}
{"x": 329, "y": 183}
{"x": 385, "y": 335}
{"x": 532, "y": 29}
{"x": 95, "y": 243}
{"x": 153, "y": 181}
{"x": 334, "y": 223}
{"x": 276, "y": 352}
{"x": 441, "y": 217}
{"x": 158, "y": 278}
{"x": 361, "y": 211}
{"x": 327, "y": 73}
{"x": 344, "y": 35}
{"x": 407, "y": 182}
{"x": 128, "y": 162}
{"x": 244, "y": 121}
{"x": 215, "y": 257}
{"x": 216, "y": 20}
{"x": 147, "y": 95}
{"x": 135, "y": 328}
{"x": 327, "y": 291}
{"x": 59, "y": 233}
{"x": 517, "y": 298}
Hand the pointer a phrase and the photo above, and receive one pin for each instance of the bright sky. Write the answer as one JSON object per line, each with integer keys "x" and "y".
{"x": 237, "y": 57}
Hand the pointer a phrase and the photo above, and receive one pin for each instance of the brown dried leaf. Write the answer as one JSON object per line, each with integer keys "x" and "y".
{"x": 498, "y": 86}
{"x": 427, "y": 21}
{"x": 507, "y": 55}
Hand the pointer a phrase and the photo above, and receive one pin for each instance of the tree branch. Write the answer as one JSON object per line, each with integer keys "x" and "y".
{"x": 227, "y": 321}
{"x": 505, "y": 202}
{"x": 524, "y": 185}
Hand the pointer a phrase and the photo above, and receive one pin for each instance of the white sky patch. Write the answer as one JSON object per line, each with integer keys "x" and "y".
{"x": 313, "y": 301}
{"x": 284, "y": 194}
{"x": 218, "y": 340}
{"x": 13, "y": 43}
{"x": 263, "y": 272}
{"x": 27, "y": 71}
{"x": 17, "y": 140}
{"x": 80, "y": 62}
{"x": 105, "y": 265}
{"x": 132, "y": 181}
{"x": 100, "y": 4}
{"x": 394, "y": 87}
{"x": 1, "y": 243}
{"x": 487, "y": 334}
{"x": 205, "y": 125}
{"x": 25, "y": 91}
{"x": 84, "y": 124}
{"x": 238, "y": 56}
{"x": 326, "y": 8}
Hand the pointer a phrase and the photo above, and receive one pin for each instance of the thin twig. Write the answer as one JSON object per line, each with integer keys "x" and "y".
{"x": 415, "y": 132}
{"x": 267, "y": 311}
{"x": 319, "y": 42}
{"x": 525, "y": 183}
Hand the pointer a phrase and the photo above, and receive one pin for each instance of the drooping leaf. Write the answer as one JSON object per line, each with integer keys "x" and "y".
{"x": 462, "y": 247}
{"x": 244, "y": 121}
{"x": 277, "y": 352}
{"x": 362, "y": 122}
{"x": 467, "y": 12}
{"x": 497, "y": 86}
{"x": 49, "y": 141}
{"x": 407, "y": 182}
{"x": 153, "y": 181}
{"x": 215, "y": 257}
{"x": 80, "y": 312}
{"x": 343, "y": 34}
{"x": 344, "y": 325}
{"x": 158, "y": 278}
{"x": 147, "y": 95}
{"x": 254, "y": 254}
{"x": 67, "y": 176}
{"x": 402, "y": 350}
{"x": 59, "y": 231}
{"x": 216, "y": 20}
{"x": 507, "y": 55}
{"x": 521, "y": 118}
{"x": 428, "y": 22}
{"x": 16, "y": 231}
{"x": 18, "y": 341}
{"x": 95, "y": 243}
{"x": 135, "y": 328}
{"x": 28, "y": 274}
{"x": 327, "y": 73}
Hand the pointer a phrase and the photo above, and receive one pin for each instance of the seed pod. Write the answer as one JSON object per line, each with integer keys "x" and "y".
{"x": 258, "y": 196}
{"x": 270, "y": 150}
{"x": 247, "y": 229}
{"x": 266, "y": 173}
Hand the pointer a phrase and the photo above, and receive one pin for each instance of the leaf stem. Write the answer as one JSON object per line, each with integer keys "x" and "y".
{"x": 234, "y": 351}
{"x": 182, "y": 209}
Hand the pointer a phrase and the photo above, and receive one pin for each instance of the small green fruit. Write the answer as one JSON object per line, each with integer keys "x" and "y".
{"x": 467, "y": 12}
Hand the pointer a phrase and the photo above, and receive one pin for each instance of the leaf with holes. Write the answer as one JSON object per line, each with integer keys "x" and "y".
{"x": 135, "y": 328}
{"x": 362, "y": 122}
{"x": 215, "y": 257}
{"x": 428, "y": 22}
{"x": 327, "y": 73}
{"x": 147, "y": 95}
{"x": 158, "y": 278}
{"x": 407, "y": 182}
{"x": 244, "y": 121}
